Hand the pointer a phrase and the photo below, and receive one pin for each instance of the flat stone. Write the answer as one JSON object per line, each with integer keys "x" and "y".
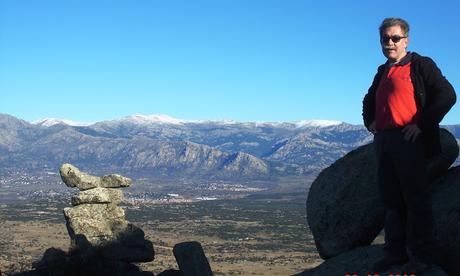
{"x": 94, "y": 224}
{"x": 98, "y": 195}
{"x": 73, "y": 177}
{"x": 115, "y": 181}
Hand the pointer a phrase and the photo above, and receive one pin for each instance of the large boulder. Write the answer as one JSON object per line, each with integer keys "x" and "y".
{"x": 344, "y": 209}
{"x": 446, "y": 237}
{"x": 359, "y": 261}
{"x": 446, "y": 221}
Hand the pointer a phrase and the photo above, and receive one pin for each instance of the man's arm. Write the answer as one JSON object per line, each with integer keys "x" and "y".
{"x": 440, "y": 95}
{"x": 368, "y": 109}
{"x": 369, "y": 102}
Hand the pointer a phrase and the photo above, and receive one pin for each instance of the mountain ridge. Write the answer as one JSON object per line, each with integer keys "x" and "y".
{"x": 204, "y": 151}
{"x": 166, "y": 119}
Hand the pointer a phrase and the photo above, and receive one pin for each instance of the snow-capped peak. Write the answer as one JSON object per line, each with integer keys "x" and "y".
{"x": 141, "y": 119}
{"x": 47, "y": 122}
{"x": 156, "y": 118}
{"x": 166, "y": 119}
{"x": 316, "y": 123}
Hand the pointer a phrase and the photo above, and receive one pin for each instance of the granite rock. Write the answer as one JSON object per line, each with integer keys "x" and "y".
{"x": 446, "y": 221}
{"x": 344, "y": 209}
{"x": 359, "y": 261}
{"x": 73, "y": 177}
{"x": 98, "y": 195}
{"x": 94, "y": 224}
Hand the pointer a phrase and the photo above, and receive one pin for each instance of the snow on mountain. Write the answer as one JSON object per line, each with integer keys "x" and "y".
{"x": 47, "y": 122}
{"x": 140, "y": 119}
{"x": 148, "y": 119}
{"x": 299, "y": 124}
{"x": 317, "y": 123}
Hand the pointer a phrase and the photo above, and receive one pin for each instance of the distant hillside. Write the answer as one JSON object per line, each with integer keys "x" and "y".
{"x": 163, "y": 147}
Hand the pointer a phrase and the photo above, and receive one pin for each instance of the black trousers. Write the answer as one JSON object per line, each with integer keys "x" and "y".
{"x": 403, "y": 186}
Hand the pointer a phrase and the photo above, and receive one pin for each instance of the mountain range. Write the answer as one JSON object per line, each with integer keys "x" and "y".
{"x": 162, "y": 147}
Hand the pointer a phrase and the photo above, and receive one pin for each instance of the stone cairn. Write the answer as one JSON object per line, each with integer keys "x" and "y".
{"x": 95, "y": 222}
{"x": 102, "y": 241}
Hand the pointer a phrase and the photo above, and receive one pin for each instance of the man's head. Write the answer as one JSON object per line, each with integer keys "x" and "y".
{"x": 394, "y": 38}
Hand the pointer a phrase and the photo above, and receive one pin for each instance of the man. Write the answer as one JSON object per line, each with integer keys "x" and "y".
{"x": 407, "y": 100}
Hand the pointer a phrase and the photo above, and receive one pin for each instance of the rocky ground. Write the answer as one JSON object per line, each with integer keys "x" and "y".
{"x": 23, "y": 242}
{"x": 239, "y": 237}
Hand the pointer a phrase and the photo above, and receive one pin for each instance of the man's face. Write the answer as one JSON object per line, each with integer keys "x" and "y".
{"x": 395, "y": 48}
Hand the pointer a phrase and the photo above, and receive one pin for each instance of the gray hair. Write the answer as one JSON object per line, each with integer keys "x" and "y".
{"x": 392, "y": 21}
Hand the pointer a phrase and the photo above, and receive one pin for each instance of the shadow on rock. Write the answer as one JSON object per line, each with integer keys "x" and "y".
{"x": 359, "y": 261}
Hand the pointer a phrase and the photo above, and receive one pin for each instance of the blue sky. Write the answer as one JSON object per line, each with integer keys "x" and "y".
{"x": 247, "y": 60}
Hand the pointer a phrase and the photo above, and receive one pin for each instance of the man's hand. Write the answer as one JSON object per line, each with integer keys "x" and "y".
{"x": 372, "y": 128}
{"x": 411, "y": 132}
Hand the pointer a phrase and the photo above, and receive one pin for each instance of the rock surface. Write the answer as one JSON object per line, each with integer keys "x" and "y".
{"x": 73, "y": 177}
{"x": 129, "y": 246}
{"x": 359, "y": 261}
{"x": 96, "y": 224}
{"x": 438, "y": 165}
{"x": 191, "y": 259}
{"x": 98, "y": 195}
{"x": 446, "y": 221}
{"x": 344, "y": 210}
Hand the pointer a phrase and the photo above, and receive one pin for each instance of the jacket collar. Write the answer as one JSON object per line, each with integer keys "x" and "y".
{"x": 405, "y": 60}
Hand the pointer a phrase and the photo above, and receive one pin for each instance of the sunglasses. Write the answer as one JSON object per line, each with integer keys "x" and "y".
{"x": 395, "y": 38}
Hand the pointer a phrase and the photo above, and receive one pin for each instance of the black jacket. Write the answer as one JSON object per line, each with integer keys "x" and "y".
{"x": 434, "y": 96}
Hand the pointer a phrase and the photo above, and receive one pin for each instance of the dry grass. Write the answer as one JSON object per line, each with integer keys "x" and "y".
{"x": 25, "y": 242}
{"x": 239, "y": 237}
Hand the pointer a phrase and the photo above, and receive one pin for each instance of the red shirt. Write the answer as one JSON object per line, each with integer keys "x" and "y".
{"x": 395, "y": 100}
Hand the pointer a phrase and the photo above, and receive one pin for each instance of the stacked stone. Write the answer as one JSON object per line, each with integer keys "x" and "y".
{"x": 96, "y": 222}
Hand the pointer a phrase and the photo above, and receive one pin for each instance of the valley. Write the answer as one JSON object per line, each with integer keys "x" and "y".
{"x": 247, "y": 236}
